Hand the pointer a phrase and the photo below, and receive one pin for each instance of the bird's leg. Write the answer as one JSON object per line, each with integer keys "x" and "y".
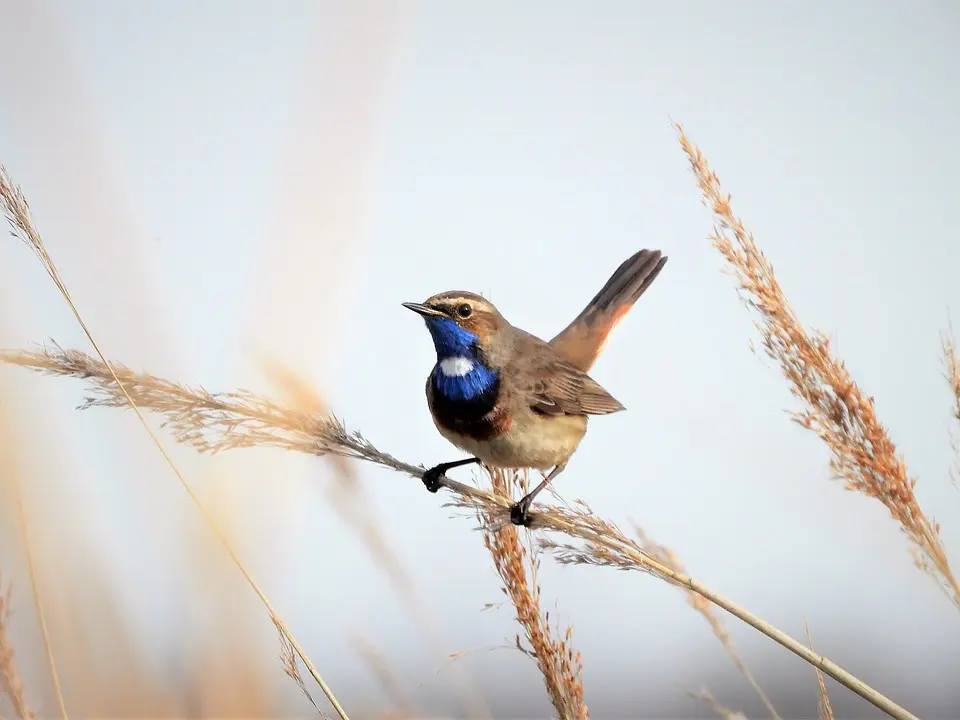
{"x": 519, "y": 513}
{"x": 431, "y": 477}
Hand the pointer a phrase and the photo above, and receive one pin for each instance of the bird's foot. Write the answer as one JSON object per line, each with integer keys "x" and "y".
{"x": 432, "y": 478}
{"x": 520, "y": 512}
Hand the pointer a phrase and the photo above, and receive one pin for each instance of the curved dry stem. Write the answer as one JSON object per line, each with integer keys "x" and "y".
{"x": 211, "y": 422}
{"x": 17, "y": 212}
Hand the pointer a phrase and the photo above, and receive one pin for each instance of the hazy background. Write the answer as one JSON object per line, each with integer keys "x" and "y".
{"x": 222, "y": 180}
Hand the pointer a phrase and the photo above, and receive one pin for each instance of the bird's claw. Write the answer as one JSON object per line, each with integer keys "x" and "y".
{"x": 431, "y": 479}
{"x": 520, "y": 513}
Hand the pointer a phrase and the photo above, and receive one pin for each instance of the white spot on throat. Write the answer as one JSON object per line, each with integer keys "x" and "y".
{"x": 456, "y": 366}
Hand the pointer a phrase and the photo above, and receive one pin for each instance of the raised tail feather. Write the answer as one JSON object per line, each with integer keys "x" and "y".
{"x": 582, "y": 340}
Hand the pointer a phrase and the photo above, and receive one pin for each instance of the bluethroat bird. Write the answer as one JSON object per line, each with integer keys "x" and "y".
{"x": 512, "y": 400}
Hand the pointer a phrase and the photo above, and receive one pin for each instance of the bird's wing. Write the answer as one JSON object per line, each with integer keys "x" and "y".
{"x": 559, "y": 388}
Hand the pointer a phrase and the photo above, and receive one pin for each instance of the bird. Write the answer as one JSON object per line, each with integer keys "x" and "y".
{"x": 512, "y": 400}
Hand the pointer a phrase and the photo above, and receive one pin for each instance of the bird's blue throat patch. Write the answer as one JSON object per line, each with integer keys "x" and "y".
{"x": 459, "y": 374}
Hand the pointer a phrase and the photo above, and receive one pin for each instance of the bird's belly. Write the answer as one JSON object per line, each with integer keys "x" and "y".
{"x": 530, "y": 440}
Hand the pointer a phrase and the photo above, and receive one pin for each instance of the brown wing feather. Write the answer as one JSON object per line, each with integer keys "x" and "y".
{"x": 559, "y": 388}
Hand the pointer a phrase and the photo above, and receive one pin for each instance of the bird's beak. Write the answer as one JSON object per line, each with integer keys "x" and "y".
{"x": 422, "y": 309}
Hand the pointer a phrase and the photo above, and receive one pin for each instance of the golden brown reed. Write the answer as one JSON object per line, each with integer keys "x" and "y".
{"x": 862, "y": 454}
{"x": 17, "y": 212}
{"x": 211, "y": 422}
{"x": 517, "y": 566}
{"x": 11, "y": 684}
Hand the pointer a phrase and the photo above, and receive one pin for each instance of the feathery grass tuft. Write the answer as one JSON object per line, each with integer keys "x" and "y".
{"x": 862, "y": 454}
{"x": 517, "y": 566}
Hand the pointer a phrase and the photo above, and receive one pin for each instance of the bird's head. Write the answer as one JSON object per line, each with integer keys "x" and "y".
{"x": 459, "y": 322}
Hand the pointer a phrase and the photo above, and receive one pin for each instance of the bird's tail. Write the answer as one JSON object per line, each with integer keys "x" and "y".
{"x": 582, "y": 340}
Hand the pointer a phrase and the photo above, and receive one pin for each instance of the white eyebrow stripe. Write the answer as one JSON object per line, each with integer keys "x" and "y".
{"x": 456, "y": 366}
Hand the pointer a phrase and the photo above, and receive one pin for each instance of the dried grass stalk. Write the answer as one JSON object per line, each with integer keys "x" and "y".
{"x": 291, "y": 668}
{"x": 16, "y": 210}
{"x": 517, "y": 565}
{"x": 10, "y": 683}
{"x": 218, "y": 421}
{"x": 862, "y": 454}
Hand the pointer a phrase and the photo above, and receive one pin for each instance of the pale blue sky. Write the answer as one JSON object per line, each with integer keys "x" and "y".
{"x": 219, "y": 179}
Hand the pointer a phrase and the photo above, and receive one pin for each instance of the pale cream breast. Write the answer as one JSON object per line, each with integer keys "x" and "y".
{"x": 532, "y": 441}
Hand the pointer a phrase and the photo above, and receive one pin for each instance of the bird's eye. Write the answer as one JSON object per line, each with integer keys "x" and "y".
{"x": 464, "y": 310}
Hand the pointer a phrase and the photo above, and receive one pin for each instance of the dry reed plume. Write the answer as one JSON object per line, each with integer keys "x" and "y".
{"x": 517, "y": 566}
{"x": 862, "y": 454}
